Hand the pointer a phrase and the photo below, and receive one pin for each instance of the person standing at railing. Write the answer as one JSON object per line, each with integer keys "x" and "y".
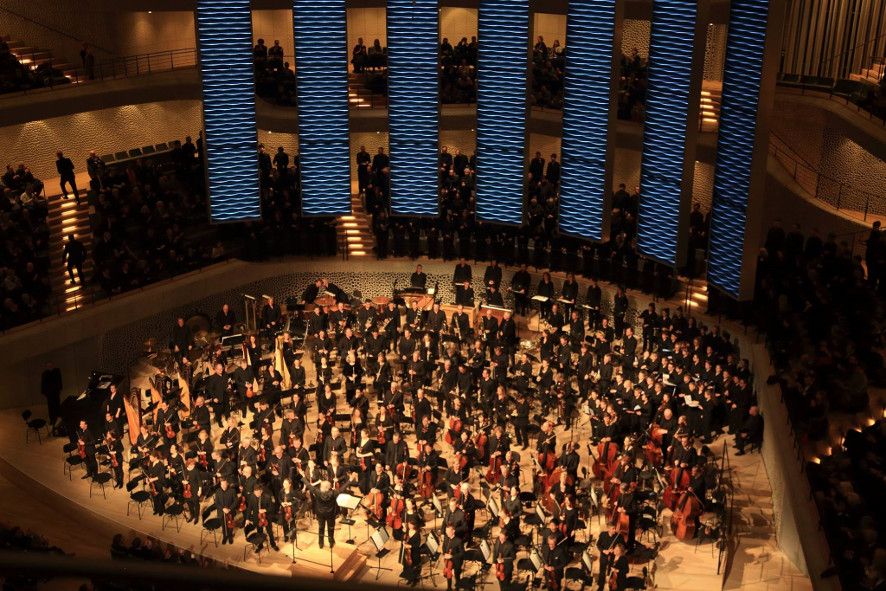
{"x": 97, "y": 169}
{"x": 875, "y": 257}
{"x": 65, "y": 168}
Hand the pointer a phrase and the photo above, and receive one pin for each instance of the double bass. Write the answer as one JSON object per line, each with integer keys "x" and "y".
{"x": 680, "y": 480}
{"x": 493, "y": 473}
{"x": 607, "y": 452}
{"x": 684, "y": 520}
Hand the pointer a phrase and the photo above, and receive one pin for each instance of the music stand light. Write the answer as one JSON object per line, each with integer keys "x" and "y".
{"x": 379, "y": 538}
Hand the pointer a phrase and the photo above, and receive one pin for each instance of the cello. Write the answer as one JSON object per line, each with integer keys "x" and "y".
{"x": 679, "y": 482}
{"x": 493, "y": 473}
{"x": 684, "y": 520}
{"x": 607, "y": 452}
{"x": 395, "y": 515}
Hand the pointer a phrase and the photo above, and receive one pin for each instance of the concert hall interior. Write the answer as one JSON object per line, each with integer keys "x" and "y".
{"x": 445, "y": 294}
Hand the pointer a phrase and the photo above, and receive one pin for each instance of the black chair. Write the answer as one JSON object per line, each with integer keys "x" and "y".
{"x": 172, "y": 513}
{"x": 255, "y": 538}
{"x": 34, "y": 425}
{"x": 139, "y": 497}
{"x": 148, "y": 150}
{"x": 135, "y": 152}
{"x": 211, "y": 523}
{"x": 108, "y": 158}
{"x": 121, "y": 155}
{"x": 100, "y": 479}
{"x": 72, "y": 459}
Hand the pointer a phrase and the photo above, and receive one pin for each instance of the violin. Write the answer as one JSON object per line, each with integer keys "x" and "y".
{"x": 262, "y": 454}
{"x": 170, "y": 432}
{"x": 187, "y": 490}
{"x": 380, "y": 437}
{"x": 229, "y": 520}
{"x": 81, "y": 450}
{"x": 109, "y": 441}
{"x": 202, "y": 460}
{"x": 287, "y": 513}
{"x": 153, "y": 485}
{"x": 500, "y": 571}
{"x": 262, "y": 518}
{"x": 242, "y": 506}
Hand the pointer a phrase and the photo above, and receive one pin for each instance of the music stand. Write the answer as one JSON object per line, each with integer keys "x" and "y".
{"x": 433, "y": 546}
{"x": 487, "y": 553}
{"x": 438, "y": 509}
{"x": 379, "y": 538}
{"x": 349, "y": 502}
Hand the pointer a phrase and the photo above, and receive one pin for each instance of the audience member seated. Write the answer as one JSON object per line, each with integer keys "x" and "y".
{"x": 24, "y": 255}
{"x": 153, "y": 550}
{"x": 274, "y": 77}
{"x": 823, "y": 323}
{"x": 548, "y": 65}
{"x": 15, "y": 539}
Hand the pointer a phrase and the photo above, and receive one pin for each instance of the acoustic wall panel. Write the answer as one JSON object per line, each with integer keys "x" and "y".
{"x": 412, "y": 105}
{"x": 590, "y": 27}
{"x": 736, "y": 139}
{"x": 664, "y": 135}
{"x": 321, "y": 50}
{"x": 503, "y": 31}
{"x": 224, "y": 36}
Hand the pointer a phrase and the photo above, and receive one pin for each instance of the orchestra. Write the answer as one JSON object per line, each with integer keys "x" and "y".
{"x": 411, "y": 404}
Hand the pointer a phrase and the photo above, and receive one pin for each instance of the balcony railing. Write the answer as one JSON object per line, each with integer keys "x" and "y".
{"x": 833, "y": 193}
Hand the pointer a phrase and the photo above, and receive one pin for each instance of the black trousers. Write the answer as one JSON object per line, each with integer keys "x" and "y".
{"x": 326, "y": 523}
{"x": 521, "y": 429}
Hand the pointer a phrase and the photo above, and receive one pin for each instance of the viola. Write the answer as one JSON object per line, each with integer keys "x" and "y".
{"x": 287, "y": 513}
{"x": 229, "y": 520}
{"x": 153, "y": 485}
{"x": 380, "y": 437}
{"x": 262, "y": 518}
{"x": 187, "y": 490}
{"x": 202, "y": 460}
{"x": 170, "y": 432}
{"x": 448, "y": 569}
{"x": 262, "y": 454}
{"x": 81, "y": 449}
{"x": 500, "y": 571}
{"x": 242, "y": 506}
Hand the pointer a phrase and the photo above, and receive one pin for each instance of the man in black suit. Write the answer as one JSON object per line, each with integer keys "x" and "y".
{"x": 751, "y": 432}
{"x": 65, "y": 168}
{"x": 419, "y": 279}
{"x": 453, "y": 552}
{"x": 74, "y": 255}
{"x": 51, "y": 388}
{"x": 225, "y": 320}
{"x": 325, "y": 508}
{"x": 553, "y": 172}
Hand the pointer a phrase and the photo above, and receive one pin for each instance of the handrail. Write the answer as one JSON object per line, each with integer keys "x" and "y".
{"x": 820, "y": 186}
{"x": 872, "y": 42}
{"x": 54, "y": 30}
{"x": 124, "y": 67}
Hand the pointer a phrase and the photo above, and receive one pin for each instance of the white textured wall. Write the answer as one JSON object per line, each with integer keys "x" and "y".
{"x": 369, "y": 23}
{"x": 550, "y": 26}
{"x": 105, "y": 131}
{"x": 627, "y": 168}
{"x": 463, "y": 139}
{"x": 635, "y": 33}
{"x": 274, "y": 24}
{"x": 456, "y": 23}
{"x": 141, "y": 32}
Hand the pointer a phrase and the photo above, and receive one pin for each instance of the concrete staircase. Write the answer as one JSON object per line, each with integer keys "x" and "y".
{"x": 66, "y": 218}
{"x": 872, "y": 75}
{"x": 355, "y": 230}
{"x": 33, "y": 57}
{"x": 711, "y": 97}
{"x": 359, "y": 96}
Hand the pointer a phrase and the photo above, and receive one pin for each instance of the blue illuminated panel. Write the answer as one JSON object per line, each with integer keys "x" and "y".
{"x": 735, "y": 144}
{"x": 412, "y": 105}
{"x": 589, "y": 36}
{"x": 224, "y": 35}
{"x": 664, "y": 136}
{"x": 321, "y": 50}
{"x": 503, "y": 29}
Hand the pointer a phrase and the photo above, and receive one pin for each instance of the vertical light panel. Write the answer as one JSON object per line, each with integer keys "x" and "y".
{"x": 590, "y": 27}
{"x": 412, "y": 105}
{"x": 664, "y": 135}
{"x": 736, "y": 139}
{"x": 503, "y": 31}
{"x": 224, "y": 36}
{"x": 321, "y": 50}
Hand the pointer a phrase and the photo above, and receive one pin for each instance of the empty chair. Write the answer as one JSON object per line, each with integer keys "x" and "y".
{"x": 255, "y": 539}
{"x": 135, "y": 152}
{"x": 108, "y": 158}
{"x": 162, "y": 147}
{"x": 139, "y": 497}
{"x": 100, "y": 479}
{"x": 121, "y": 155}
{"x": 211, "y": 523}
{"x": 72, "y": 459}
{"x": 172, "y": 513}
{"x": 148, "y": 150}
{"x": 33, "y": 425}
